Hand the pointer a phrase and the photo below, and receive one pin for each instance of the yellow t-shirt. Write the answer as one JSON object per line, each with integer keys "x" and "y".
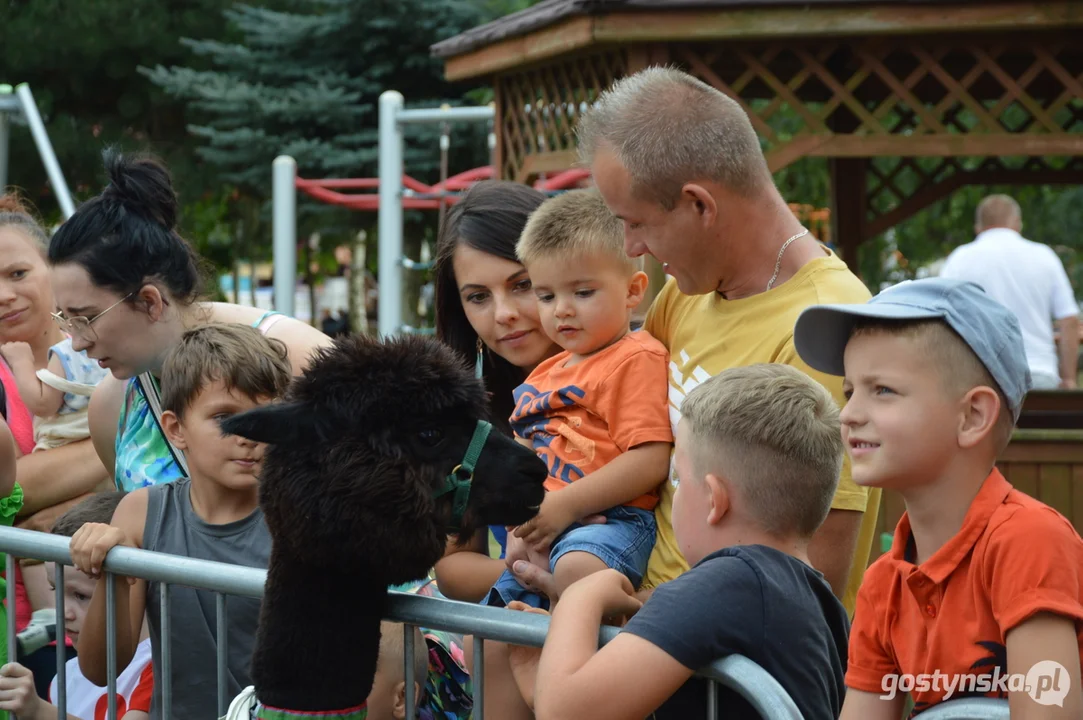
{"x": 706, "y": 334}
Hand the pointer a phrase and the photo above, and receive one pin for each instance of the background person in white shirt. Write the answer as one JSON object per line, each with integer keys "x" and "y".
{"x": 1029, "y": 279}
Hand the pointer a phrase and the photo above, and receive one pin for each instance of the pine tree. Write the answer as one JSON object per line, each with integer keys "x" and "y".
{"x": 304, "y": 80}
{"x": 306, "y": 83}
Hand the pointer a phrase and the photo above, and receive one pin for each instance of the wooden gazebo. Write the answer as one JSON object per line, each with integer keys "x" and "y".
{"x": 992, "y": 90}
{"x": 908, "y": 100}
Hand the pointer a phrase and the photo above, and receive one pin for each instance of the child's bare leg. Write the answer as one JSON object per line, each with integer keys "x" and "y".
{"x": 575, "y": 566}
{"x": 502, "y": 697}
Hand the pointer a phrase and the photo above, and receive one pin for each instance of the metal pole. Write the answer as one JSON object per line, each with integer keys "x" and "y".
{"x": 390, "y": 219}
{"x": 5, "y": 140}
{"x": 45, "y": 149}
{"x": 433, "y": 115}
{"x": 445, "y": 147}
{"x": 284, "y": 204}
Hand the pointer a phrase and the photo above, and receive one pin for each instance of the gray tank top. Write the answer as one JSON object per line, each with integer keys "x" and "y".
{"x": 173, "y": 527}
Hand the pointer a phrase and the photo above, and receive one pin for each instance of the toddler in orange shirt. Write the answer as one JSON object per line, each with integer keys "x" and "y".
{"x": 597, "y": 413}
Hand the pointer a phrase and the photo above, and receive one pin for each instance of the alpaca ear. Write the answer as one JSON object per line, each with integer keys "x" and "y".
{"x": 276, "y": 424}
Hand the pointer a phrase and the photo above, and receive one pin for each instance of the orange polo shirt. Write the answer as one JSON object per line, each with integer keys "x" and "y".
{"x": 1013, "y": 557}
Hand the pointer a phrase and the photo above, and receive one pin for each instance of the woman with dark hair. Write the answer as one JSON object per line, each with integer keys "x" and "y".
{"x": 128, "y": 286}
{"x": 487, "y": 312}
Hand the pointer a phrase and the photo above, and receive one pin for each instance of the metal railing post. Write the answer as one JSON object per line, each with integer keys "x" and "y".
{"x": 45, "y": 149}
{"x": 284, "y": 222}
{"x": 408, "y": 674}
{"x": 61, "y": 644}
{"x": 5, "y": 139}
{"x": 389, "y": 310}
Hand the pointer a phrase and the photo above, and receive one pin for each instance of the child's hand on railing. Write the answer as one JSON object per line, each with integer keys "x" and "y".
{"x": 92, "y": 542}
{"x": 610, "y": 592}
{"x": 18, "y": 696}
{"x": 524, "y": 660}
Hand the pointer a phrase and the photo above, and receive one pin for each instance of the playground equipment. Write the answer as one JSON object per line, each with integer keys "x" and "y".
{"x": 396, "y": 192}
{"x": 20, "y": 104}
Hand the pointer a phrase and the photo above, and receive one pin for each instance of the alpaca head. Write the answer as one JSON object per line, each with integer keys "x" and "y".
{"x": 361, "y": 447}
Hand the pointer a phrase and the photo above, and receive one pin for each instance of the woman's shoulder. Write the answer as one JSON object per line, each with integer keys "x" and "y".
{"x": 300, "y": 338}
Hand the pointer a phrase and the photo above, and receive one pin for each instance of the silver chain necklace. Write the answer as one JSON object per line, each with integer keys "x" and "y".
{"x": 778, "y": 262}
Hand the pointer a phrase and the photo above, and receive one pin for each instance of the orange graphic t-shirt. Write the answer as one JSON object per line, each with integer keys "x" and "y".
{"x": 580, "y": 417}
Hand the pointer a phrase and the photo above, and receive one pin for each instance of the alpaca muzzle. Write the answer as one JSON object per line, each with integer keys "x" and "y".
{"x": 459, "y": 479}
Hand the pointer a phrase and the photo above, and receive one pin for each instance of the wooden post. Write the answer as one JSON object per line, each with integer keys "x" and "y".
{"x": 848, "y": 206}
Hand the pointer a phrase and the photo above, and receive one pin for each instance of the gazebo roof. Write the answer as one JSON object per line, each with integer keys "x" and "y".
{"x": 550, "y": 12}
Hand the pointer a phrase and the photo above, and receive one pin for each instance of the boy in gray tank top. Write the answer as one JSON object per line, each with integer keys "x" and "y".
{"x": 215, "y": 371}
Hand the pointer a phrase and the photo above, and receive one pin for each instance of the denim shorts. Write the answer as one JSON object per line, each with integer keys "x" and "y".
{"x": 624, "y": 543}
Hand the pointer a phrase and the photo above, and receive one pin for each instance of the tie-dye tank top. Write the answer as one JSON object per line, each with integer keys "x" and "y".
{"x": 144, "y": 457}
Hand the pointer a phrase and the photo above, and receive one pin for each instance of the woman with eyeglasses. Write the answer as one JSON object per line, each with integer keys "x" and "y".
{"x": 127, "y": 286}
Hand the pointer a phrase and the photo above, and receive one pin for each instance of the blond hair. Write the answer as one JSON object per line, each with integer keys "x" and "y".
{"x": 774, "y": 432}
{"x": 16, "y": 213}
{"x": 959, "y": 368}
{"x": 998, "y": 211}
{"x": 667, "y": 129}
{"x": 576, "y": 223}
{"x": 239, "y": 356}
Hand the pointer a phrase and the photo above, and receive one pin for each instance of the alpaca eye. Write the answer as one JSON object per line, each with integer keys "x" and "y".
{"x": 430, "y": 436}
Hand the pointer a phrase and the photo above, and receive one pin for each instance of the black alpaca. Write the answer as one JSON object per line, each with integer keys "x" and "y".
{"x": 356, "y": 492}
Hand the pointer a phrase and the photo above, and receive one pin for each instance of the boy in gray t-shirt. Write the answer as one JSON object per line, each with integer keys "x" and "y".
{"x": 215, "y": 371}
{"x": 758, "y": 455}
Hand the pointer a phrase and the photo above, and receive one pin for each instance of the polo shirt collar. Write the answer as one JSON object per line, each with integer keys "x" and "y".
{"x": 943, "y": 563}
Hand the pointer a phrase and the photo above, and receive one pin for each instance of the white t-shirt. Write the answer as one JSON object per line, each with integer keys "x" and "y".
{"x": 90, "y": 702}
{"x": 1027, "y": 278}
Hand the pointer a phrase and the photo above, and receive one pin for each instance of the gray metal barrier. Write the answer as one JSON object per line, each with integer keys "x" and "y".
{"x": 737, "y": 673}
{"x": 969, "y": 709}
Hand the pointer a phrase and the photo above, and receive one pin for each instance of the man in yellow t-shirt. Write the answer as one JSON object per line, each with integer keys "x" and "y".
{"x": 679, "y": 163}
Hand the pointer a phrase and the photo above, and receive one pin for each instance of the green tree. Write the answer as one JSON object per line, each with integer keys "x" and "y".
{"x": 304, "y": 81}
{"x": 81, "y": 60}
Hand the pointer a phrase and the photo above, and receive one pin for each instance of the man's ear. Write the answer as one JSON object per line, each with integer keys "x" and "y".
{"x": 980, "y": 412}
{"x": 718, "y": 498}
{"x": 152, "y": 300}
{"x": 171, "y": 426}
{"x": 637, "y": 288}
{"x": 702, "y": 200}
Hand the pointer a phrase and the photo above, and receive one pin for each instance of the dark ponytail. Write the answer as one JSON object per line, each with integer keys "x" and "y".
{"x": 127, "y": 235}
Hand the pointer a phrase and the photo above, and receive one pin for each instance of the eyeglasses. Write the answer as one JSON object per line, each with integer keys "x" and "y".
{"x": 81, "y": 325}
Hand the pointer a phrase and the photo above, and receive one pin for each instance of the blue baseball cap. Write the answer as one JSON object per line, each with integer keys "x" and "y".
{"x": 987, "y": 327}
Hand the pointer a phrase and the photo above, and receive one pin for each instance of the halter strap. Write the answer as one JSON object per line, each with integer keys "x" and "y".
{"x": 360, "y": 712}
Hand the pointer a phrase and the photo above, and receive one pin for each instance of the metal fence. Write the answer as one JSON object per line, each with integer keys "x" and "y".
{"x": 737, "y": 673}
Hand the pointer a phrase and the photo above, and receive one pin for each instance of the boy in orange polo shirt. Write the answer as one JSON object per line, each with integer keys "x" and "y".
{"x": 982, "y": 592}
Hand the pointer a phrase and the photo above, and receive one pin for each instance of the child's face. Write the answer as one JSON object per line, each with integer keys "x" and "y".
{"x": 230, "y": 461}
{"x": 899, "y": 424}
{"x": 691, "y": 500}
{"x": 78, "y": 589}
{"x": 584, "y": 301}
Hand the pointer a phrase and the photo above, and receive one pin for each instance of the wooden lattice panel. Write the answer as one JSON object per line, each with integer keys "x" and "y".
{"x": 898, "y": 187}
{"x": 538, "y": 108}
{"x": 901, "y": 96}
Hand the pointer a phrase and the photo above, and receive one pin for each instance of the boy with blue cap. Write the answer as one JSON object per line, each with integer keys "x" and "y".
{"x": 982, "y": 591}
